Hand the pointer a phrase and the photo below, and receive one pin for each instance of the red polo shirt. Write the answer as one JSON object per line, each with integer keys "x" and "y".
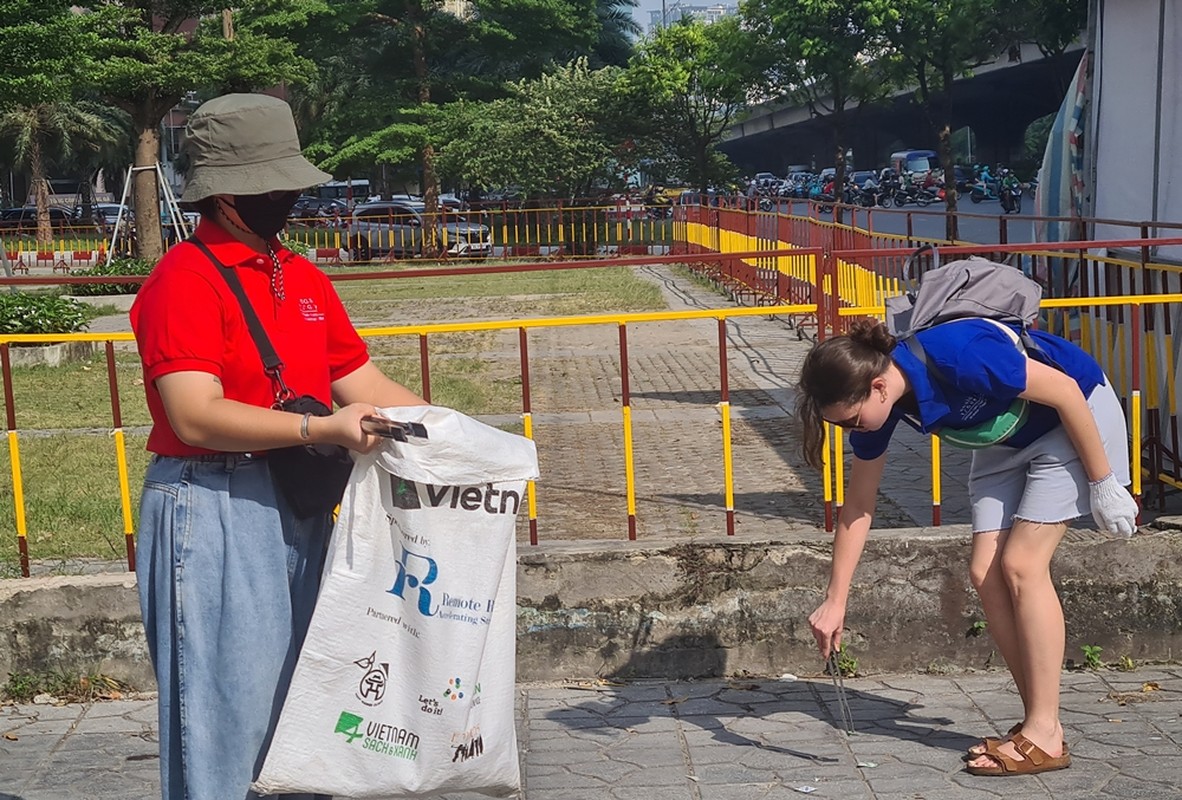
{"x": 186, "y": 318}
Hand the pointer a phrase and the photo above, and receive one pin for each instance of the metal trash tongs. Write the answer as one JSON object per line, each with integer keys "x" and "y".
{"x": 843, "y": 704}
{"x": 393, "y": 429}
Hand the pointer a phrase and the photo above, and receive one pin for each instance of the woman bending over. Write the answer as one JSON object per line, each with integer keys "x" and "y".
{"x": 1069, "y": 457}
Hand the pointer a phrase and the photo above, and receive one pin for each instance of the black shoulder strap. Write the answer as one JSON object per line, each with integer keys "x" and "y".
{"x": 271, "y": 363}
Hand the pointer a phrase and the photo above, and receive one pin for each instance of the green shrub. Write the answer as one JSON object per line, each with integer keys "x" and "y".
{"x": 118, "y": 266}
{"x": 296, "y": 246}
{"x": 34, "y": 313}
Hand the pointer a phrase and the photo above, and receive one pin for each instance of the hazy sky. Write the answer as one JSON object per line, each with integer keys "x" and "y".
{"x": 641, "y": 12}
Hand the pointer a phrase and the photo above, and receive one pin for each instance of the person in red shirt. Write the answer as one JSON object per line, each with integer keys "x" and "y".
{"x": 228, "y": 569}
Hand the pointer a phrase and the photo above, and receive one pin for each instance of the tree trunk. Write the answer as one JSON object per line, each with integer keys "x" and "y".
{"x": 40, "y": 193}
{"x": 944, "y": 131}
{"x": 146, "y": 194}
{"x": 838, "y": 159}
{"x": 87, "y": 187}
{"x": 431, "y": 245}
{"x": 951, "y": 231}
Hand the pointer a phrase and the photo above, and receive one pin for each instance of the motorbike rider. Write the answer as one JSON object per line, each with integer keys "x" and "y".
{"x": 1007, "y": 189}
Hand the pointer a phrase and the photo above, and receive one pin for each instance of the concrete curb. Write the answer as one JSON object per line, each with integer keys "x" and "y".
{"x": 686, "y": 608}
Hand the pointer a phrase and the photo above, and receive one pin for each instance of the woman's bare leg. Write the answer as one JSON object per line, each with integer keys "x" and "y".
{"x": 1039, "y": 631}
{"x": 988, "y": 578}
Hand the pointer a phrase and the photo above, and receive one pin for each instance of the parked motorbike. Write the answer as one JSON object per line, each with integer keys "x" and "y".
{"x": 903, "y": 195}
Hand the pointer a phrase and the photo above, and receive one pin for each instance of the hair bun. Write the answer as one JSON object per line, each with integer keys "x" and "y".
{"x": 873, "y": 334}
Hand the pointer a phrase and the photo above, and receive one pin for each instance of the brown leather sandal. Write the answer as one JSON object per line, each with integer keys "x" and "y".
{"x": 984, "y": 743}
{"x": 1034, "y": 760}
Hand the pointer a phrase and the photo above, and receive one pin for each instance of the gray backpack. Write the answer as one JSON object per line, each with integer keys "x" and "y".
{"x": 973, "y": 287}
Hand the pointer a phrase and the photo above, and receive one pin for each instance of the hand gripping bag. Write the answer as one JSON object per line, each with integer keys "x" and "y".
{"x": 404, "y": 686}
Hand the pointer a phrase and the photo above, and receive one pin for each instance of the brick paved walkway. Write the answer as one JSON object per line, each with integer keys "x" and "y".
{"x": 756, "y": 739}
{"x": 674, "y": 386}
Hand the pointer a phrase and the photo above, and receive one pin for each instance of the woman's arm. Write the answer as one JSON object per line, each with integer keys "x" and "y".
{"x": 1051, "y": 387}
{"x": 201, "y": 416}
{"x": 853, "y": 526}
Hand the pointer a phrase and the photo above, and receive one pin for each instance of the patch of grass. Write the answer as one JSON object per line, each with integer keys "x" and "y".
{"x": 406, "y": 349}
{"x": 596, "y": 290}
{"x": 93, "y": 311}
{"x": 72, "y": 506}
{"x": 22, "y": 687}
{"x": 70, "y": 479}
{"x": 461, "y": 382}
{"x": 847, "y": 664}
{"x": 76, "y": 395}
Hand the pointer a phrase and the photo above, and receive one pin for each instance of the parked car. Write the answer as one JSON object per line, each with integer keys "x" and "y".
{"x": 451, "y": 203}
{"x": 25, "y": 218}
{"x": 448, "y": 202}
{"x": 495, "y": 199}
{"x": 765, "y": 181}
{"x": 396, "y": 228}
{"x": 106, "y": 213}
{"x": 190, "y": 218}
{"x": 317, "y": 209}
{"x": 859, "y": 177}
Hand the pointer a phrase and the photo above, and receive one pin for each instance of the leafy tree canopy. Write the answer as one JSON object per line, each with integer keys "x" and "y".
{"x": 151, "y": 53}
{"x": 44, "y": 51}
{"x": 821, "y": 50}
{"x": 691, "y": 80}
{"x": 558, "y": 135}
{"x": 368, "y": 102}
{"x": 1051, "y": 24}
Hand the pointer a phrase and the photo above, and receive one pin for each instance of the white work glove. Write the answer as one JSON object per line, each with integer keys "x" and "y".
{"x": 1114, "y": 509}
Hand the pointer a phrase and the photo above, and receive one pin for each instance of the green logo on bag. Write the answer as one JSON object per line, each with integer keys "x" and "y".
{"x": 379, "y": 737}
{"x": 350, "y": 726}
{"x": 404, "y": 493}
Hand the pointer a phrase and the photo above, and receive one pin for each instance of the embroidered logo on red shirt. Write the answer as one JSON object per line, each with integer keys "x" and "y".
{"x": 310, "y": 310}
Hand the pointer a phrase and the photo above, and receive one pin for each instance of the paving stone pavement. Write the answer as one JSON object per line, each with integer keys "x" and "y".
{"x": 742, "y": 739}
{"x": 738, "y": 739}
{"x": 674, "y": 389}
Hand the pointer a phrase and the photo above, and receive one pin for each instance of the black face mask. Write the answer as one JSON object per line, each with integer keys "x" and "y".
{"x": 265, "y": 214}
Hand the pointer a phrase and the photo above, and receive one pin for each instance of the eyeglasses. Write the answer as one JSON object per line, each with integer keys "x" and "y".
{"x": 852, "y": 422}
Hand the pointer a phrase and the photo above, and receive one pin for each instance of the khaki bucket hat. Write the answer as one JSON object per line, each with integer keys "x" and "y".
{"x": 244, "y": 144}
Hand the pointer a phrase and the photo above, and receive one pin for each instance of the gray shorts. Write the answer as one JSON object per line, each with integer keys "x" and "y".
{"x": 1045, "y": 481}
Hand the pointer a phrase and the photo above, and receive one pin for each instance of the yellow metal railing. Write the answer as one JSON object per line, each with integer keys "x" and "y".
{"x": 622, "y": 321}
{"x": 1130, "y": 333}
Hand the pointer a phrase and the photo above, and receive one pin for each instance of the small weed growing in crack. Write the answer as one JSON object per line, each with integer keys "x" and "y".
{"x": 1092, "y": 656}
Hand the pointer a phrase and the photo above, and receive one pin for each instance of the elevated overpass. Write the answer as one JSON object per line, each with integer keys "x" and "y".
{"x": 998, "y": 102}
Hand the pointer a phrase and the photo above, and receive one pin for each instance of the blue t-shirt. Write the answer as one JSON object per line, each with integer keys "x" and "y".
{"x": 983, "y": 371}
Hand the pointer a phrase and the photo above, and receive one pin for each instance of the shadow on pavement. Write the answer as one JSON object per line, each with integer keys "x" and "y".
{"x": 715, "y": 702}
